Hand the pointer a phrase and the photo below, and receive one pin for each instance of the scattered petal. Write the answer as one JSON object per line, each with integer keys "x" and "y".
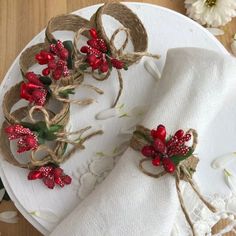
{"x": 46, "y": 215}
{"x": 216, "y": 31}
{"x": 153, "y": 70}
{"x": 230, "y": 180}
{"x": 9, "y": 217}
{"x": 222, "y": 161}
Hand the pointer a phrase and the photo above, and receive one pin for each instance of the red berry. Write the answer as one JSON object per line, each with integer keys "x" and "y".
{"x": 168, "y": 165}
{"x": 38, "y": 57}
{"x": 159, "y": 146}
{"x": 84, "y": 49}
{"x": 52, "y": 65}
{"x": 160, "y": 133}
{"x": 117, "y": 63}
{"x": 102, "y": 45}
{"x": 148, "y": 151}
{"x": 93, "y": 33}
{"x": 46, "y": 71}
{"x": 35, "y": 174}
{"x": 57, "y": 74}
{"x": 59, "y": 181}
{"x": 93, "y": 43}
{"x": 156, "y": 161}
{"x": 49, "y": 181}
{"x": 96, "y": 64}
{"x": 104, "y": 67}
{"x": 91, "y": 59}
{"x": 57, "y": 172}
{"x": 64, "y": 54}
{"x": 179, "y": 134}
{"x": 66, "y": 179}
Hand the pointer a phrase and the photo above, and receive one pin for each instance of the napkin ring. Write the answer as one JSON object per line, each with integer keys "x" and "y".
{"x": 173, "y": 155}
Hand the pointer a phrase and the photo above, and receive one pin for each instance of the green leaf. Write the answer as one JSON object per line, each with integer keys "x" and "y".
{"x": 69, "y": 46}
{"x": 41, "y": 140}
{"x": 178, "y": 159}
{"x": 45, "y": 80}
{"x": 55, "y": 128}
{"x": 125, "y": 67}
{"x": 50, "y": 136}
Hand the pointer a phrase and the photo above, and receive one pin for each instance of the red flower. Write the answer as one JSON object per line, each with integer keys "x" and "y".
{"x": 51, "y": 176}
{"x": 55, "y": 59}
{"x": 97, "y": 54}
{"x": 163, "y": 150}
{"x": 27, "y": 139}
{"x": 33, "y": 93}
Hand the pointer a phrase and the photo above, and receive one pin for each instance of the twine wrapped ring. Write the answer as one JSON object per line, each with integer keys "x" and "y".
{"x": 141, "y": 137}
{"x": 12, "y": 96}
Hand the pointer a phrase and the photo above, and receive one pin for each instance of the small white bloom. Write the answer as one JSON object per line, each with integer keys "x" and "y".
{"x": 213, "y": 13}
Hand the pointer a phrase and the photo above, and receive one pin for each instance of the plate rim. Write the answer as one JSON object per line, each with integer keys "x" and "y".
{"x": 18, "y": 205}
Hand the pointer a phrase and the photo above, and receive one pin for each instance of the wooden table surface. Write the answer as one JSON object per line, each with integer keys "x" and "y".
{"x": 20, "y": 21}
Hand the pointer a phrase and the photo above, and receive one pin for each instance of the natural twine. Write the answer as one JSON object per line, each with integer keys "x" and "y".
{"x": 62, "y": 137}
{"x": 182, "y": 171}
{"x": 117, "y": 54}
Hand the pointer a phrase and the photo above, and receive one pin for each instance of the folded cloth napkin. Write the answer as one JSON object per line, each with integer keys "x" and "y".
{"x": 191, "y": 92}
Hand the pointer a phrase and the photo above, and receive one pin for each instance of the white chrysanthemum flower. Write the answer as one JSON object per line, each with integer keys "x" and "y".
{"x": 212, "y": 13}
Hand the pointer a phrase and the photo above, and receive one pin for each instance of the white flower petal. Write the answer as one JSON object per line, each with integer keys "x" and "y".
{"x": 222, "y": 161}
{"x": 107, "y": 114}
{"x": 2, "y": 193}
{"x": 230, "y": 180}
{"x": 215, "y": 16}
{"x": 46, "y": 215}
{"x": 9, "y": 217}
{"x": 216, "y": 31}
{"x": 151, "y": 67}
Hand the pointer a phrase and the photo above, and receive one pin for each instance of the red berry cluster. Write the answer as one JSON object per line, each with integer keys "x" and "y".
{"x": 27, "y": 139}
{"x": 34, "y": 90}
{"x": 55, "y": 59}
{"x": 162, "y": 149}
{"x": 97, "y": 54}
{"x": 51, "y": 176}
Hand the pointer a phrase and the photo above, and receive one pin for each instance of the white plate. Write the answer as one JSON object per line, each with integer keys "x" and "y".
{"x": 166, "y": 29}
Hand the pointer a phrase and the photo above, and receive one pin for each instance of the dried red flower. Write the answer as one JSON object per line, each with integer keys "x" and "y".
{"x": 27, "y": 139}
{"x": 55, "y": 59}
{"x": 162, "y": 150}
{"x": 97, "y": 54}
{"x": 51, "y": 176}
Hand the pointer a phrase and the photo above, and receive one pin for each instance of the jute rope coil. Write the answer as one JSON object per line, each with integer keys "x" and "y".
{"x": 58, "y": 154}
{"x": 5, "y": 147}
{"x": 12, "y": 96}
{"x": 182, "y": 170}
{"x": 130, "y": 21}
{"x": 131, "y": 25}
{"x": 68, "y": 22}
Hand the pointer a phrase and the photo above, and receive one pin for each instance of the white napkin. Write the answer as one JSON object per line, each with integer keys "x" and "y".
{"x": 191, "y": 92}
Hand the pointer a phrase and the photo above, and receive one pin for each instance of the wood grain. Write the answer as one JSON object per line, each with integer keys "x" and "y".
{"x": 20, "y": 21}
